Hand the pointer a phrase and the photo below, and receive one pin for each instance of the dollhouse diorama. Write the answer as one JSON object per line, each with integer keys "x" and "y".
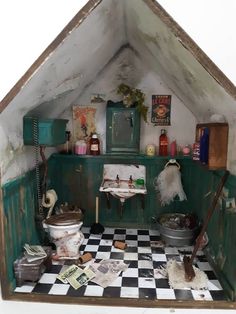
{"x": 118, "y": 169}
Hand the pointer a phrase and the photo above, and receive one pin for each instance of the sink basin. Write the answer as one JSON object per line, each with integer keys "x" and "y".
{"x": 122, "y": 186}
{"x": 123, "y": 182}
{"x": 118, "y": 178}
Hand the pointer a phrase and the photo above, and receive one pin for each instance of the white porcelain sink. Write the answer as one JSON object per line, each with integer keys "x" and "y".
{"x": 123, "y": 181}
{"x": 122, "y": 186}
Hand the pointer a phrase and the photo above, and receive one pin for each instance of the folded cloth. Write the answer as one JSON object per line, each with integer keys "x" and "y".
{"x": 168, "y": 184}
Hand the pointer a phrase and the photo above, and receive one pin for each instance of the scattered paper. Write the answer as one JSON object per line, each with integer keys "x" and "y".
{"x": 76, "y": 276}
{"x": 34, "y": 252}
{"x": 80, "y": 278}
{"x": 158, "y": 243}
{"x": 63, "y": 276}
{"x": 107, "y": 271}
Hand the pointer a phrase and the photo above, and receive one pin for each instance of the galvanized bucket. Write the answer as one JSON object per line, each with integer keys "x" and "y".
{"x": 177, "y": 237}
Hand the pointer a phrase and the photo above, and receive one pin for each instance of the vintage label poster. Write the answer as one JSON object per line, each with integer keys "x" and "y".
{"x": 161, "y": 109}
{"x": 83, "y": 122}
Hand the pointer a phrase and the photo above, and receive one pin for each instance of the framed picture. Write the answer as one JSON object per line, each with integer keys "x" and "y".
{"x": 83, "y": 122}
{"x": 161, "y": 109}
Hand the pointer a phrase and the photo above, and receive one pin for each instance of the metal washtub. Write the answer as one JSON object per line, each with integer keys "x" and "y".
{"x": 176, "y": 237}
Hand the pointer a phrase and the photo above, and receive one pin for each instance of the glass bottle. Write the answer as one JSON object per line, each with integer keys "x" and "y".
{"x": 204, "y": 146}
{"x": 94, "y": 145}
{"x": 163, "y": 143}
{"x": 66, "y": 148}
{"x": 173, "y": 148}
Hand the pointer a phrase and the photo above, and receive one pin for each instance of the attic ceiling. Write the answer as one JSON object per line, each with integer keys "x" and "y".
{"x": 95, "y": 37}
{"x": 98, "y": 33}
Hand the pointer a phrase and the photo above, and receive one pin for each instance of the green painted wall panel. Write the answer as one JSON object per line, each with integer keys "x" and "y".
{"x": 221, "y": 229}
{"x": 77, "y": 179}
{"x": 19, "y": 218}
{"x": 199, "y": 185}
{"x": 82, "y": 188}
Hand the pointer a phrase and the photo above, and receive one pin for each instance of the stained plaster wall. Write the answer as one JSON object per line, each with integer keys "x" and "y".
{"x": 164, "y": 53}
{"x": 11, "y": 144}
{"x": 127, "y": 67}
{"x": 58, "y": 81}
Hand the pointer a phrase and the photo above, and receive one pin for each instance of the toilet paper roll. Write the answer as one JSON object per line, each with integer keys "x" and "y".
{"x": 49, "y": 201}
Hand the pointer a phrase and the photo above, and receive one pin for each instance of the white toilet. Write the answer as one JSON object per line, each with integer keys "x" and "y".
{"x": 64, "y": 232}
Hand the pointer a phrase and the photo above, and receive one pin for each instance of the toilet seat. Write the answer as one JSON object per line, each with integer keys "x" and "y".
{"x": 65, "y": 219}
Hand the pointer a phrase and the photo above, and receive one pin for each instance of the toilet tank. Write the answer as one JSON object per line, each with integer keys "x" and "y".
{"x": 47, "y": 132}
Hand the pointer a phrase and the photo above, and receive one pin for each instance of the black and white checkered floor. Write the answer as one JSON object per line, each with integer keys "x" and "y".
{"x": 138, "y": 281}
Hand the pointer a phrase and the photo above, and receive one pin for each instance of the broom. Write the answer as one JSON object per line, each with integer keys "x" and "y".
{"x": 96, "y": 227}
{"x": 188, "y": 261}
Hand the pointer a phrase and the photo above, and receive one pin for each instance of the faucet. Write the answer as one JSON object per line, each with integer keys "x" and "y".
{"x": 130, "y": 182}
{"x": 117, "y": 179}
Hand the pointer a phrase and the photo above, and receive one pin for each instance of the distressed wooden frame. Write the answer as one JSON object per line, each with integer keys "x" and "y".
{"x": 210, "y": 67}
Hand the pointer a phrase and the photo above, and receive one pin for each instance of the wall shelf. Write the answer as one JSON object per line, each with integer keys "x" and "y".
{"x": 121, "y": 156}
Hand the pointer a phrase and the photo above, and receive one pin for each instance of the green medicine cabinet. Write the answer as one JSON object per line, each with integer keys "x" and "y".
{"x": 122, "y": 128}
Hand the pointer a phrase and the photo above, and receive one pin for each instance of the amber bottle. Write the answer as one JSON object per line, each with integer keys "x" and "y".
{"x": 94, "y": 145}
{"x": 163, "y": 143}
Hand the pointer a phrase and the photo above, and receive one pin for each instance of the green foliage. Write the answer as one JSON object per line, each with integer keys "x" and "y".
{"x": 133, "y": 96}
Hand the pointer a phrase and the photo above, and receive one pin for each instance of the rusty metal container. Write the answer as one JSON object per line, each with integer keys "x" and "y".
{"x": 172, "y": 233}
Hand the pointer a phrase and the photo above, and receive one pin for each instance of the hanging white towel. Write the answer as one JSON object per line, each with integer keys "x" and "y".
{"x": 168, "y": 184}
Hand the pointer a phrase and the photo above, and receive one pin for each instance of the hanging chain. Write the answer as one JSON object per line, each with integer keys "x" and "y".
{"x": 37, "y": 172}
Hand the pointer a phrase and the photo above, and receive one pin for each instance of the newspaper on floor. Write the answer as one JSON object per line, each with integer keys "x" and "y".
{"x": 107, "y": 271}
{"x": 76, "y": 276}
{"x": 34, "y": 252}
{"x": 158, "y": 243}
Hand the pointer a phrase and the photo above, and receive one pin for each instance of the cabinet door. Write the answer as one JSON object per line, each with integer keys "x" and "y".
{"x": 123, "y": 130}
{"x": 68, "y": 180}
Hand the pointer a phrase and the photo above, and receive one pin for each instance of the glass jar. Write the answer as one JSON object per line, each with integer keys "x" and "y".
{"x": 94, "y": 145}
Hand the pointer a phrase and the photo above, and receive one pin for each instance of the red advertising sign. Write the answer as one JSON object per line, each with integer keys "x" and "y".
{"x": 161, "y": 108}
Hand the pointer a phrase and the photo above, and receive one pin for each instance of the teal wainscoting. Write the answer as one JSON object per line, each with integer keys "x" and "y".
{"x": 19, "y": 219}
{"x": 222, "y": 227}
{"x": 77, "y": 179}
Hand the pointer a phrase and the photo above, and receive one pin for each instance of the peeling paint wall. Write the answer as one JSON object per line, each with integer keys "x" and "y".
{"x": 59, "y": 81}
{"x": 128, "y": 68}
{"x": 182, "y": 73}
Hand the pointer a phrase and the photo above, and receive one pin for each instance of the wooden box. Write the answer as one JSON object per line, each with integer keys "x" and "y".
{"x": 31, "y": 271}
{"x": 218, "y": 143}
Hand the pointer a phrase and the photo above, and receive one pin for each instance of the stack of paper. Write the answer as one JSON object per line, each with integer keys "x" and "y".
{"x": 34, "y": 252}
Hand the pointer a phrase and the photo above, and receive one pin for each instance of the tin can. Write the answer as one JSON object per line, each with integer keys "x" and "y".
{"x": 196, "y": 151}
{"x": 85, "y": 258}
{"x": 150, "y": 150}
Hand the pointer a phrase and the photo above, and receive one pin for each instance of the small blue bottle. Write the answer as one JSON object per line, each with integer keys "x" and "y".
{"x": 204, "y": 146}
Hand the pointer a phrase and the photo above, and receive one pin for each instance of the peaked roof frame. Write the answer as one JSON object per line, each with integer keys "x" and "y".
{"x": 210, "y": 67}
{"x": 74, "y": 23}
{"x": 183, "y": 37}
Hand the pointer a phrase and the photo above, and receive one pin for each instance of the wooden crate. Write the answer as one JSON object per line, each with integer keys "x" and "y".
{"x": 218, "y": 143}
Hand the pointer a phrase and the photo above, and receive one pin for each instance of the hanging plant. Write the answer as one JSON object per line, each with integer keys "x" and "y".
{"x": 133, "y": 96}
